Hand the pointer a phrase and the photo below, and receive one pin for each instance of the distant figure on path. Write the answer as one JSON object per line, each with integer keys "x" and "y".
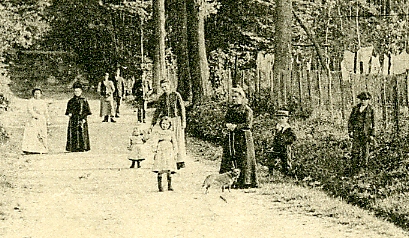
{"x": 78, "y": 109}
{"x": 166, "y": 150}
{"x": 119, "y": 90}
{"x": 35, "y": 132}
{"x": 141, "y": 90}
{"x": 283, "y": 138}
{"x": 361, "y": 128}
{"x": 106, "y": 89}
{"x": 171, "y": 104}
{"x": 238, "y": 150}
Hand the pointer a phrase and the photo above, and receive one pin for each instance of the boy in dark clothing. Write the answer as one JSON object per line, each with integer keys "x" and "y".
{"x": 361, "y": 128}
{"x": 283, "y": 138}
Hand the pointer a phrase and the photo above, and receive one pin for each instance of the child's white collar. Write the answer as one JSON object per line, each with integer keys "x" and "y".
{"x": 282, "y": 127}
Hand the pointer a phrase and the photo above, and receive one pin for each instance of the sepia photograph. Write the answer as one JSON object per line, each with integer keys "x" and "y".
{"x": 204, "y": 118}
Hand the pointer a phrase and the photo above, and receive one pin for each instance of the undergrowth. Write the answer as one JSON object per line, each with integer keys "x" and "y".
{"x": 322, "y": 158}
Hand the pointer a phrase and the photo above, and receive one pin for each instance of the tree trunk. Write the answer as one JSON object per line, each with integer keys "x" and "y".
{"x": 159, "y": 64}
{"x": 282, "y": 44}
{"x": 199, "y": 68}
{"x": 179, "y": 18}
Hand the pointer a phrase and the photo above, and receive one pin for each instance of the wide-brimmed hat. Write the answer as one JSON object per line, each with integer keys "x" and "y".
{"x": 284, "y": 113}
{"x": 77, "y": 84}
{"x": 364, "y": 96}
{"x": 164, "y": 81}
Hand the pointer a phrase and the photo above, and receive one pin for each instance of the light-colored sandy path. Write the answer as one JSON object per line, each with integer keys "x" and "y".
{"x": 95, "y": 194}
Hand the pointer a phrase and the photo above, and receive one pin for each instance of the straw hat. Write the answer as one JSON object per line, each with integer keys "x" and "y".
{"x": 282, "y": 113}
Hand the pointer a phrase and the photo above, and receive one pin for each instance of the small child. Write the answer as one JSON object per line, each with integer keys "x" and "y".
{"x": 166, "y": 151}
{"x": 283, "y": 138}
{"x": 136, "y": 142}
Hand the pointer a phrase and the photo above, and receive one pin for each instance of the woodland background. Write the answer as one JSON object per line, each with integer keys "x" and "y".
{"x": 283, "y": 53}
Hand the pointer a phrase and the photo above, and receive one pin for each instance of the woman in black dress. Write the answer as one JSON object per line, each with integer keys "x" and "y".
{"x": 238, "y": 151}
{"x": 78, "y": 110}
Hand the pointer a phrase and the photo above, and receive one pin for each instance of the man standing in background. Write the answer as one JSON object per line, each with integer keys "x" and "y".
{"x": 119, "y": 90}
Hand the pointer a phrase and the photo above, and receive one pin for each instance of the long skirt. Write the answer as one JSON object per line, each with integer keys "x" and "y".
{"x": 180, "y": 138}
{"x": 77, "y": 136}
{"x": 238, "y": 152}
{"x": 35, "y": 137}
{"x": 164, "y": 159}
{"x": 107, "y": 107}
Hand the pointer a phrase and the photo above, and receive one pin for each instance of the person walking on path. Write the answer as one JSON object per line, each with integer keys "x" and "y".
{"x": 361, "y": 128}
{"x": 35, "y": 132}
{"x": 238, "y": 150}
{"x": 171, "y": 104}
{"x": 119, "y": 90}
{"x": 106, "y": 89}
{"x": 283, "y": 138}
{"x": 165, "y": 154}
{"x": 141, "y": 90}
{"x": 78, "y": 109}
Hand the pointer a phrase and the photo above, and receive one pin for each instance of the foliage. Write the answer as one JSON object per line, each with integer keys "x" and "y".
{"x": 22, "y": 24}
{"x": 322, "y": 158}
{"x": 102, "y": 36}
{"x": 205, "y": 121}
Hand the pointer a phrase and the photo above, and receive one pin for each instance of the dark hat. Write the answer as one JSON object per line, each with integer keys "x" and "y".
{"x": 77, "y": 84}
{"x": 36, "y": 89}
{"x": 364, "y": 96}
{"x": 282, "y": 113}
{"x": 164, "y": 81}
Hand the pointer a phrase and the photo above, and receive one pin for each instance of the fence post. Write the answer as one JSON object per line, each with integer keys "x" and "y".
{"x": 284, "y": 80}
{"x": 396, "y": 106}
{"x": 330, "y": 101}
{"x": 341, "y": 88}
{"x": 383, "y": 99}
{"x": 352, "y": 81}
{"x": 229, "y": 83}
{"x": 407, "y": 88}
{"x": 299, "y": 76}
{"x": 271, "y": 78}
{"x": 309, "y": 87}
{"x": 319, "y": 89}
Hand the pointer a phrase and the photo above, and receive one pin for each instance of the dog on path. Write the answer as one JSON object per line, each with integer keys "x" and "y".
{"x": 225, "y": 180}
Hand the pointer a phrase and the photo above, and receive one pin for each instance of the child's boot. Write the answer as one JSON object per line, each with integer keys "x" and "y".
{"x": 160, "y": 183}
{"x": 170, "y": 182}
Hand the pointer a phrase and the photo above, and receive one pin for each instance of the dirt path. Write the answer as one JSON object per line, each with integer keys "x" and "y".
{"x": 95, "y": 194}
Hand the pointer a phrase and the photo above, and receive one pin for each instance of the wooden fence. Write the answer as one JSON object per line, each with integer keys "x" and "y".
{"x": 313, "y": 88}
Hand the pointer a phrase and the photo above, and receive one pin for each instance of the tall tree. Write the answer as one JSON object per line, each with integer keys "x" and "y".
{"x": 159, "y": 63}
{"x": 282, "y": 44}
{"x": 199, "y": 67}
{"x": 177, "y": 25}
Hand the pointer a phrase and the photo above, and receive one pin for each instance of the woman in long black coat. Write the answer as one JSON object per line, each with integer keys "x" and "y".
{"x": 238, "y": 151}
{"x": 78, "y": 109}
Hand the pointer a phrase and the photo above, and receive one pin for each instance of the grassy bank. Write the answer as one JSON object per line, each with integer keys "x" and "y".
{"x": 289, "y": 195}
{"x": 322, "y": 159}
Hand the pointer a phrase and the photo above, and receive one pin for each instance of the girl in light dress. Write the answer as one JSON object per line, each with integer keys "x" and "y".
{"x": 166, "y": 152}
{"x": 136, "y": 146}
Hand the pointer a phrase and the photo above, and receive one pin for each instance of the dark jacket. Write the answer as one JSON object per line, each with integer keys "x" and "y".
{"x": 283, "y": 139}
{"x": 170, "y": 105}
{"x": 362, "y": 124}
{"x": 119, "y": 84}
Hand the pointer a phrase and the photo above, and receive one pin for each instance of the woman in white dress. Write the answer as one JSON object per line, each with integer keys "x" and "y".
{"x": 35, "y": 131}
